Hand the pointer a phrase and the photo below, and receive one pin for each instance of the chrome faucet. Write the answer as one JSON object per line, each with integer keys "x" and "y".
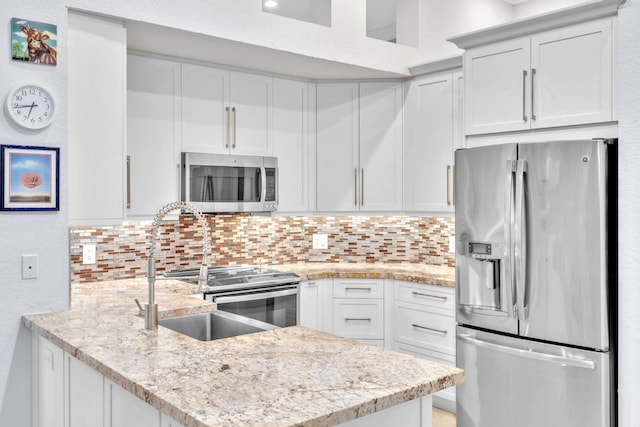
{"x": 151, "y": 308}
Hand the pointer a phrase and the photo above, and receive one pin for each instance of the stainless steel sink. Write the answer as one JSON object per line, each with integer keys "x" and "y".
{"x": 215, "y": 325}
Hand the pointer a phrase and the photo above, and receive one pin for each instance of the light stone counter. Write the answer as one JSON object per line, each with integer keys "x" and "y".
{"x": 286, "y": 377}
{"x": 418, "y": 273}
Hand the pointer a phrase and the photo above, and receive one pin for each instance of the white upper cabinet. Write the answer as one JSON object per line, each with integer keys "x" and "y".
{"x": 432, "y": 119}
{"x": 560, "y": 77}
{"x": 571, "y": 80}
{"x": 337, "y": 152}
{"x": 226, "y": 111}
{"x": 97, "y": 129}
{"x": 381, "y": 146}
{"x": 291, "y": 143}
{"x": 153, "y": 134}
{"x": 359, "y": 147}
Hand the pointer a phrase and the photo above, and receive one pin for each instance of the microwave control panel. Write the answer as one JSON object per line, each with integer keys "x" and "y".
{"x": 270, "y": 195}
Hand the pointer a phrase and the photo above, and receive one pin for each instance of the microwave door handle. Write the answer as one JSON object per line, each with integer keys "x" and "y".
{"x": 261, "y": 183}
{"x": 520, "y": 241}
{"x": 255, "y": 296}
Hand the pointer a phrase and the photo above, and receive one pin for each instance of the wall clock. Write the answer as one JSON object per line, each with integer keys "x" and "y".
{"x": 31, "y": 107}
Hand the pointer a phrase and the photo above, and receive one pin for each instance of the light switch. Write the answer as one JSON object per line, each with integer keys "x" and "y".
{"x": 29, "y": 266}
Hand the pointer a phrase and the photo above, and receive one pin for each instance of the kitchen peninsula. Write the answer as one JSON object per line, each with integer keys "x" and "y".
{"x": 287, "y": 377}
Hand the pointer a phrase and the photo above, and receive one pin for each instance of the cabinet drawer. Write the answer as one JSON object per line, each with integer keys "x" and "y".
{"x": 358, "y": 319}
{"x": 358, "y": 288}
{"x": 434, "y": 330}
{"x": 429, "y": 295}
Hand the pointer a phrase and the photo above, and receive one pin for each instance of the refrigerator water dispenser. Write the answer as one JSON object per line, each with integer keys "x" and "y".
{"x": 480, "y": 268}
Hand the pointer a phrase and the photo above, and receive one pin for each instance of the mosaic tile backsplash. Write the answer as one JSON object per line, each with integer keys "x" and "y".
{"x": 121, "y": 251}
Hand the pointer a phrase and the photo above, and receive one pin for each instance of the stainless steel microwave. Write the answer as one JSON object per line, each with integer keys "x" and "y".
{"x": 230, "y": 183}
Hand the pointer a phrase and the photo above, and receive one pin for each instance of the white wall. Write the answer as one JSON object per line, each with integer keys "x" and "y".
{"x": 538, "y": 7}
{"x": 629, "y": 216}
{"x": 440, "y": 20}
{"x": 45, "y": 234}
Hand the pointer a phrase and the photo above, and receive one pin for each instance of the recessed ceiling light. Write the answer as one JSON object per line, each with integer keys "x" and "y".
{"x": 270, "y": 4}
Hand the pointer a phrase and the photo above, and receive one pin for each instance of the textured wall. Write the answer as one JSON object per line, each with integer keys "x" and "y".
{"x": 629, "y": 213}
{"x": 238, "y": 239}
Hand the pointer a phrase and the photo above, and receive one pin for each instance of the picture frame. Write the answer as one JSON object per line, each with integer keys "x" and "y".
{"x": 34, "y": 42}
{"x": 30, "y": 178}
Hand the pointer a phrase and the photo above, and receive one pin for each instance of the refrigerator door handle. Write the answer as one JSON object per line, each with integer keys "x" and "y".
{"x": 529, "y": 354}
{"x": 509, "y": 268}
{"x": 520, "y": 241}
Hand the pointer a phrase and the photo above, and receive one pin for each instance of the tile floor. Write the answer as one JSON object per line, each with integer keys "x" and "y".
{"x": 443, "y": 418}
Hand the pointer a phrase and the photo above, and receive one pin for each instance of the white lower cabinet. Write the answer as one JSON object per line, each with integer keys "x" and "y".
{"x": 315, "y": 305}
{"x": 68, "y": 393}
{"x": 423, "y": 325}
{"x": 358, "y": 310}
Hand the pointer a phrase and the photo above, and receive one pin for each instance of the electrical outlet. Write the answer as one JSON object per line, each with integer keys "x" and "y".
{"x": 88, "y": 254}
{"x": 452, "y": 244}
{"x": 320, "y": 241}
{"x": 29, "y": 266}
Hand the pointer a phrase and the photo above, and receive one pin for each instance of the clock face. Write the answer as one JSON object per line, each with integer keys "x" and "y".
{"x": 31, "y": 107}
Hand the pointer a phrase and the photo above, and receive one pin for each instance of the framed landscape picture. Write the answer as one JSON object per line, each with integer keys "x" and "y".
{"x": 30, "y": 178}
{"x": 35, "y": 42}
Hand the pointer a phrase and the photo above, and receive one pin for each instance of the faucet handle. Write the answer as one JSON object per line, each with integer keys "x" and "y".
{"x": 139, "y": 306}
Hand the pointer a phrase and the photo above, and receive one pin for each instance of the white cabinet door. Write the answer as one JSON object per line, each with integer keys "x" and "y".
{"x": 381, "y": 146}
{"x": 337, "y": 147}
{"x": 96, "y": 101}
{"x": 572, "y": 75}
{"x": 166, "y": 421}
{"x": 291, "y": 143}
{"x": 205, "y": 109}
{"x": 429, "y": 143}
{"x": 308, "y": 305}
{"x": 250, "y": 98}
{"x": 496, "y": 86}
{"x": 48, "y": 383}
{"x": 153, "y": 138}
{"x": 123, "y": 409}
{"x": 84, "y": 394}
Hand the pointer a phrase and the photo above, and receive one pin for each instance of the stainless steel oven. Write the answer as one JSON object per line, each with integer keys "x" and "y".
{"x": 270, "y": 296}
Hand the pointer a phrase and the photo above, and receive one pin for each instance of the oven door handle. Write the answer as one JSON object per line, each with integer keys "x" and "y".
{"x": 254, "y": 296}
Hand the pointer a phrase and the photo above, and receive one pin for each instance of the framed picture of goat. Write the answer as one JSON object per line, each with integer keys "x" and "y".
{"x": 34, "y": 42}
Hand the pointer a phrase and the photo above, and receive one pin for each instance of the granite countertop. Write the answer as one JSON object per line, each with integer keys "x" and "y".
{"x": 419, "y": 273}
{"x": 286, "y": 377}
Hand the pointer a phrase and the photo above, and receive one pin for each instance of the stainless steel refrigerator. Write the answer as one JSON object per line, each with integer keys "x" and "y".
{"x": 536, "y": 284}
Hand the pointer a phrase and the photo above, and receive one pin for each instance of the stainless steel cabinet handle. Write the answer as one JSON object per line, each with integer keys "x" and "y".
{"x": 356, "y": 319}
{"x": 524, "y": 95}
{"x": 528, "y": 354}
{"x": 128, "y": 182}
{"x": 235, "y": 126}
{"x": 440, "y": 331}
{"x": 533, "y": 79}
{"x": 227, "y": 136}
{"x": 355, "y": 186}
{"x": 520, "y": 240}
{"x": 362, "y": 187}
{"x": 355, "y": 288}
{"x": 421, "y": 294}
{"x": 450, "y": 195}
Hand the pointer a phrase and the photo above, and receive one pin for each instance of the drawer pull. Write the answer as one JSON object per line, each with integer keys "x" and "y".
{"x": 353, "y": 288}
{"x": 361, "y": 319}
{"x": 420, "y": 294}
{"x": 440, "y": 331}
